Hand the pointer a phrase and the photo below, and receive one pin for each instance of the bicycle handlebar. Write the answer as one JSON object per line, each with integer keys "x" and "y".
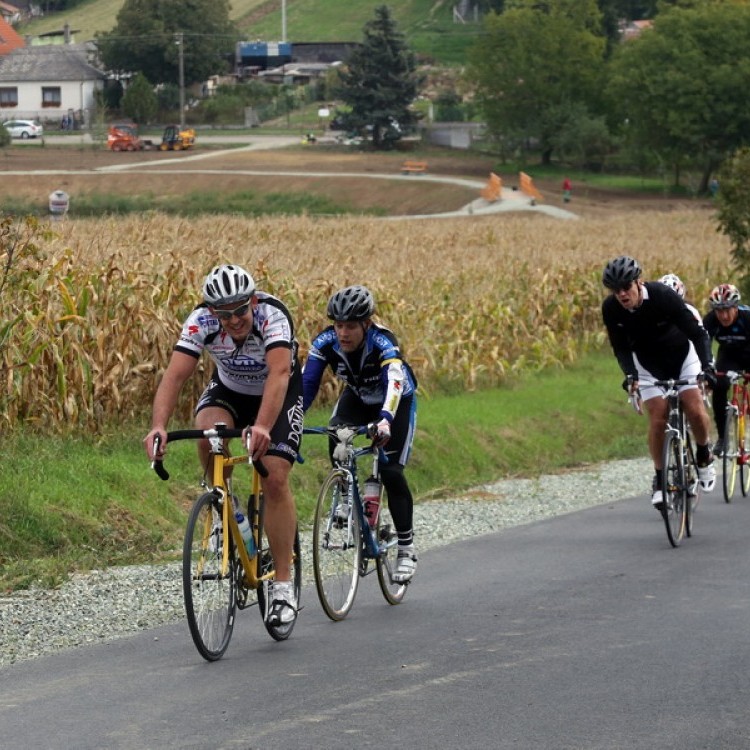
{"x": 219, "y": 431}
{"x": 333, "y": 432}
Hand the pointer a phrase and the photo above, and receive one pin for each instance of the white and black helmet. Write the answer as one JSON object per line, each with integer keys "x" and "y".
{"x": 226, "y": 285}
{"x": 673, "y": 281}
{"x": 352, "y": 303}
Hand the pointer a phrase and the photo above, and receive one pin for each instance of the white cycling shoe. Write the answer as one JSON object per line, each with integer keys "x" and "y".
{"x": 707, "y": 477}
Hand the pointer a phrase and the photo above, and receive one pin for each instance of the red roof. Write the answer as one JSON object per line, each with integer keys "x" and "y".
{"x": 9, "y": 38}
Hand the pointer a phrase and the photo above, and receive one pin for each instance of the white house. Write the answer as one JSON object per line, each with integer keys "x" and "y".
{"x": 46, "y": 83}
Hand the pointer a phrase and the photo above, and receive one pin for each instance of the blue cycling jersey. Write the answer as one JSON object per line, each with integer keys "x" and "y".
{"x": 375, "y": 373}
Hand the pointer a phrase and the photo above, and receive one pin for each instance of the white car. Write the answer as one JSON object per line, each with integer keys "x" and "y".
{"x": 24, "y": 129}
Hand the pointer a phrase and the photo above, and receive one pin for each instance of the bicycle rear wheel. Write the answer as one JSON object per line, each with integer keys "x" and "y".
{"x": 210, "y": 592}
{"x": 730, "y": 460}
{"x": 744, "y": 455}
{"x": 386, "y": 563}
{"x": 692, "y": 485}
{"x": 674, "y": 508}
{"x": 337, "y": 547}
{"x": 265, "y": 565}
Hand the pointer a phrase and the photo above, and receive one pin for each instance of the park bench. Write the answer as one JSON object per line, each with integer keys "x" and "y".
{"x": 413, "y": 167}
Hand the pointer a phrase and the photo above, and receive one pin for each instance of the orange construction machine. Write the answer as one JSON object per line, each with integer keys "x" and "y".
{"x": 124, "y": 137}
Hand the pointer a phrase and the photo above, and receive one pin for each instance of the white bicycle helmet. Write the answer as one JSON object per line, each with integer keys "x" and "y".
{"x": 226, "y": 285}
{"x": 673, "y": 281}
{"x": 724, "y": 296}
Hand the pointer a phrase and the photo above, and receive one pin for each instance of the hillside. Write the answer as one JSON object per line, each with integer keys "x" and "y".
{"x": 427, "y": 24}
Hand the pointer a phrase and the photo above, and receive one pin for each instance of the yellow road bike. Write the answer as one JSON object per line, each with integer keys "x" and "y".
{"x": 221, "y": 571}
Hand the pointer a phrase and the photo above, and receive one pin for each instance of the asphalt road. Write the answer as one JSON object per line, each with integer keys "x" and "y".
{"x": 583, "y": 631}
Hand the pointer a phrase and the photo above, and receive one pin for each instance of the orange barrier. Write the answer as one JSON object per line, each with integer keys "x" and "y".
{"x": 493, "y": 189}
{"x": 528, "y": 187}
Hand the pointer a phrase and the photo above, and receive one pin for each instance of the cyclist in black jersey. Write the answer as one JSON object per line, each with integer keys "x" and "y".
{"x": 654, "y": 336}
{"x": 379, "y": 387}
{"x": 256, "y": 385}
{"x": 728, "y": 322}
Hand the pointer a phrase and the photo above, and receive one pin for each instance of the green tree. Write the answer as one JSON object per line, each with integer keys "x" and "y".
{"x": 534, "y": 59}
{"x": 676, "y": 86}
{"x": 4, "y": 137}
{"x": 733, "y": 202}
{"x": 139, "y": 101}
{"x": 380, "y": 82}
{"x": 145, "y": 39}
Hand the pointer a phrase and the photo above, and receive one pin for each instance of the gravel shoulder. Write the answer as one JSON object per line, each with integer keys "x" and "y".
{"x": 108, "y": 604}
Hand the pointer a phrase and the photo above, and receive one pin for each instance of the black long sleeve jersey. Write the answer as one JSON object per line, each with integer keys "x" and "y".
{"x": 658, "y": 332}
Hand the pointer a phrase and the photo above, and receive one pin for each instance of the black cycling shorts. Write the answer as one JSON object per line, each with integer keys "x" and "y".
{"x": 286, "y": 434}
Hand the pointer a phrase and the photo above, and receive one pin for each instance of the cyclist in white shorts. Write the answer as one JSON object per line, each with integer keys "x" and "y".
{"x": 655, "y": 336}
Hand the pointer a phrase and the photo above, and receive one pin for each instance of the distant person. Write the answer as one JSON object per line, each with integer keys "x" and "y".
{"x": 567, "y": 189}
{"x": 713, "y": 187}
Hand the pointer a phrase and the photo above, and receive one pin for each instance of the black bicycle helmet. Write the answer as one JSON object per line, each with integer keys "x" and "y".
{"x": 226, "y": 285}
{"x": 351, "y": 303}
{"x": 620, "y": 272}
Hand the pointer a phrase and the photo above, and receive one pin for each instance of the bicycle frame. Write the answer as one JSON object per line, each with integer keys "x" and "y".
{"x": 740, "y": 407}
{"x": 736, "y": 455}
{"x": 223, "y": 490}
{"x": 345, "y": 457}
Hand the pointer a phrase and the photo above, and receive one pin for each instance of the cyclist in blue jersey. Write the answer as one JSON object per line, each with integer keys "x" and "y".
{"x": 654, "y": 336}
{"x": 256, "y": 385}
{"x": 379, "y": 388}
{"x": 728, "y": 322}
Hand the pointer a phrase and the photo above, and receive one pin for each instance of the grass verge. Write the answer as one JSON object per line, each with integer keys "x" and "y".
{"x": 77, "y": 503}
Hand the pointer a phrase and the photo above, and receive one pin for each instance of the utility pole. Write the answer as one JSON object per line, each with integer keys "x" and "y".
{"x": 179, "y": 41}
{"x": 283, "y": 20}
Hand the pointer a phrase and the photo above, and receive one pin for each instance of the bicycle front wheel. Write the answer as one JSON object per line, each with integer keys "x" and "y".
{"x": 386, "y": 562}
{"x": 674, "y": 507}
{"x": 209, "y": 589}
{"x": 730, "y": 461}
{"x": 337, "y": 546}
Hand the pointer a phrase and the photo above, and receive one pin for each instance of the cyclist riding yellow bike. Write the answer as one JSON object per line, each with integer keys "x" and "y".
{"x": 728, "y": 322}
{"x": 256, "y": 385}
{"x": 380, "y": 387}
{"x": 655, "y": 337}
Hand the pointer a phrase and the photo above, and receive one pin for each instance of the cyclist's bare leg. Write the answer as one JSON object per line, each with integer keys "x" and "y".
{"x": 280, "y": 516}
{"x": 657, "y": 410}
{"x": 695, "y": 411}
{"x": 204, "y": 420}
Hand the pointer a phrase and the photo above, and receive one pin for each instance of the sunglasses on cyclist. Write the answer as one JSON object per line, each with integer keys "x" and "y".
{"x": 624, "y": 288}
{"x": 229, "y": 314}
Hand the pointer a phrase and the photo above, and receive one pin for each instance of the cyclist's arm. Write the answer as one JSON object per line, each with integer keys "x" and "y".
{"x": 311, "y": 377}
{"x": 394, "y": 376}
{"x": 181, "y": 366}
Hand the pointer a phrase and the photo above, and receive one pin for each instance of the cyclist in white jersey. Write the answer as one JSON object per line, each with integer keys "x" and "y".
{"x": 257, "y": 385}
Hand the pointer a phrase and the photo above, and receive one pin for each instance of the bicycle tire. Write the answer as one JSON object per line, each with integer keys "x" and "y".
{"x": 210, "y": 596}
{"x": 337, "y": 548}
{"x": 385, "y": 563}
{"x": 265, "y": 564}
{"x": 730, "y": 459}
{"x": 674, "y": 505}
{"x": 743, "y": 440}
{"x": 692, "y": 485}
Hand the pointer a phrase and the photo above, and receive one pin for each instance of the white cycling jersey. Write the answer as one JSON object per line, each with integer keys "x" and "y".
{"x": 242, "y": 366}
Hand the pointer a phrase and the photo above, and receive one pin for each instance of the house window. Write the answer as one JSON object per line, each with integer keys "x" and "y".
{"x": 51, "y": 96}
{"x": 8, "y": 96}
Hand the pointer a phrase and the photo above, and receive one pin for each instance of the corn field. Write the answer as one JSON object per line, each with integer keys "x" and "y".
{"x": 91, "y": 309}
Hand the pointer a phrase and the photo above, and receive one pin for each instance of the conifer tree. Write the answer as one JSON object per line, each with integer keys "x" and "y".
{"x": 380, "y": 82}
